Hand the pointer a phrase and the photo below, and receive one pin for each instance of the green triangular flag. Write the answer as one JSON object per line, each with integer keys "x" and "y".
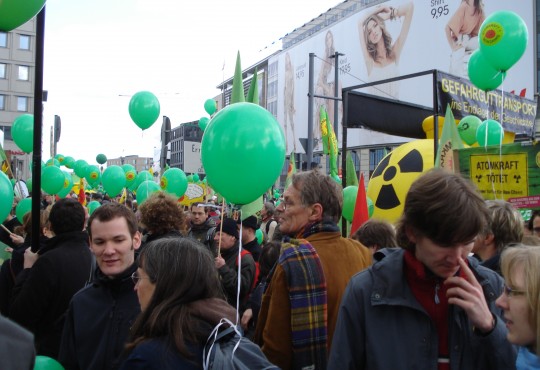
{"x": 252, "y": 208}
{"x": 253, "y": 93}
{"x": 237, "y": 95}
{"x": 450, "y": 140}
{"x": 351, "y": 179}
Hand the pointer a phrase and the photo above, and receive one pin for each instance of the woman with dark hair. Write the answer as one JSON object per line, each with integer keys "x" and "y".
{"x": 381, "y": 54}
{"x": 181, "y": 301}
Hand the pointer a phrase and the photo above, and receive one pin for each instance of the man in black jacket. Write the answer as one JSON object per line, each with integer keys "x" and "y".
{"x": 100, "y": 316}
{"x": 52, "y": 276}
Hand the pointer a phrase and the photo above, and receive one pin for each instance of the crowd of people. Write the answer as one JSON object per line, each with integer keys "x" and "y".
{"x": 455, "y": 284}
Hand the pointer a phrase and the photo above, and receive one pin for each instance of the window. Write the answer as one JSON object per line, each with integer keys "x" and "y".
{"x": 7, "y": 132}
{"x": 3, "y": 67}
{"x": 22, "y": 104}
{"x": 2, "y": 102}
{"x": 23, "y": 72}
{"x": 24, "y": 42}
{"x": 3, "y": 40}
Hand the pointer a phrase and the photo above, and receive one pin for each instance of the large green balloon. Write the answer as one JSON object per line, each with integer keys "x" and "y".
{"x": 131, "y": 176}
{"x": 490, "y": 132}
{"x": 503, "y": 39}
{"x": 467, "y": 129}
{"x": 144, "y": 109}
{"x": 101, "y": 158}
{"x": 6, "y": 196}
{"x": 482, "y": 74}
{"x": 349, "y": 202}
{"x": 52, "y": 179}
{"x": 68, "y": 185}
{"x": 15, "y": 13}
{"x": 80, "y": 167}
{"x": 114, "y": 180}
{"x": 243, "y": 152}
{"x": 69, "y": 162}
{"x": 22, "y": 130}
{"x": 142, "y": 177}
{"x": 210, "y": 106}
{"x": 145, "y": 190}
{"x": 174, "y": 181}
{"x": 47, "y": 363}
{"x": 92, "y": 206}
{"x": 23, "y": 207}
{"x": 93, "y": 175}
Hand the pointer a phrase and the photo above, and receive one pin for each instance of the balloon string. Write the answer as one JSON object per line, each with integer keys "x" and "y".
{"x": 239, "y": 264}
{"x": 502, "y": 133}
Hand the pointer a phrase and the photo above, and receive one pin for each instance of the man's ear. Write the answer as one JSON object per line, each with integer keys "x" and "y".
{"x": 137, "y": 240}
{"x": 315, "y": 212}
{"x": 410, "y": 234}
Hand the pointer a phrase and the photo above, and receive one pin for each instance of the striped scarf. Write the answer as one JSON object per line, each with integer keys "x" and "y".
{"x": 307, "y": 294}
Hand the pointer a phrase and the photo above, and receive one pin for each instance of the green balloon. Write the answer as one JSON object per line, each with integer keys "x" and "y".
{"x": 29, "y": 184}
{"x": 243, "y": 152}
{"x": 22, "y": 132}
{"x": 145, "y": 190}
{"x": 210, "y": 106}
{"x": 80, "y": 167}
{"x": 60, "y": 158}
{"x": 190, "y": 178}
{"x": 144, "y": 109}
{"x": 482, "y": 74}
{"x": 52, "y": 179}
{"x": 203, "y": 122}
{"x": 53, "y": 162}
{"x": 101, "y": 158}
{"x": 6, "y": 196}
{"x": 259, "y": 235}
{"x": 467, "y": 129}
{"x": 68, "y": 185}
{"x": 23, "y": 207}
{"x": 69, "y": 162}
{"x": 114, "y": 180}
{"x": 92, "y": 206}
{"x": 490, "y": 132}
{"x": 142, "y": 177}
{"x": 503, "y": 39}
{"x": 15, "y": 13}
{"x": 174, "y": 181}
{"x": 370, "y": 207}
{"x": 349, "y": 202}
{"x": 131, "y": 176}
{"x": 196, "y": 178}
{"x": 47, "y": 363}
{"x": 93, "y": 175}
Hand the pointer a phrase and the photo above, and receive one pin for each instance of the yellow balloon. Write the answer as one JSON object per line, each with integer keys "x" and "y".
{"x": 394, "y": 175}
{"x": 427, "y": 126}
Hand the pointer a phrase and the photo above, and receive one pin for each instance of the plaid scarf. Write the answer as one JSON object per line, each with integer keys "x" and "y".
{"x": 307, "y": 294}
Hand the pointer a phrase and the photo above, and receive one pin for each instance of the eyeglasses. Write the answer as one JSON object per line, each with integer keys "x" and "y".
{"x": 512, "y": 292}
{"x": 135, "y": 277}
{"x": 285, "y": 204}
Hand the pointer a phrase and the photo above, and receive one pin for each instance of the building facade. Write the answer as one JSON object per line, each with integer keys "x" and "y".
{"x": 140, "y": 163}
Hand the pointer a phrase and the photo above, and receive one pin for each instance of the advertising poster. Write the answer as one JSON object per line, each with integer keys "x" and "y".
{"x": 418, "y": 35}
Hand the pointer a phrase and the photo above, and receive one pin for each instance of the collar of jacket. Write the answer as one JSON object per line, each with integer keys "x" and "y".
{"x": 76, "y": 238}
{"x": 390, "y": 284}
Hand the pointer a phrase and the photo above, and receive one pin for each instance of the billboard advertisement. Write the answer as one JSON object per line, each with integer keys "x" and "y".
{"x": 391, "y": 39}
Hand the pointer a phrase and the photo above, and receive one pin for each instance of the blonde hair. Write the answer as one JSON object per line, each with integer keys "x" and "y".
{"x": 527, "y": 258}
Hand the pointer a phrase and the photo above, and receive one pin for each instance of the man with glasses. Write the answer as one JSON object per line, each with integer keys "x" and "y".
{"x": 100, "y": 316}
{"x": 300, "y": 306}
{"x": 426, "y": 305}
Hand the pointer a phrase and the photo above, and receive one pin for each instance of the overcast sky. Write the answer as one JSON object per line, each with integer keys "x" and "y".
{"x": 100, "y": 52}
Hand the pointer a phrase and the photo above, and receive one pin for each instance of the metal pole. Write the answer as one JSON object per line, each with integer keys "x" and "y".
{"x": 345, "y": 97}
{"x": 38, "y": 127}
{"x": 336, "y": 92}
{"x": 311, "y": 91}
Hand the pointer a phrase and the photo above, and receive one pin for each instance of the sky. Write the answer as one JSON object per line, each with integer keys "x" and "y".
{"x": 99, "y": 53}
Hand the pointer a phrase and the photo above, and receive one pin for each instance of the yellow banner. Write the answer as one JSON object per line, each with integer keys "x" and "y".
{"x": 500, "y": 176}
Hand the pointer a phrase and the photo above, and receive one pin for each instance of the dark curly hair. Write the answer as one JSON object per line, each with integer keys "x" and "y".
{"x": 161, "y": 213}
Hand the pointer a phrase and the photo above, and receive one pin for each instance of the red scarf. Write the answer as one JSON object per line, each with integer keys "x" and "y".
{"x": 430, "y": 291}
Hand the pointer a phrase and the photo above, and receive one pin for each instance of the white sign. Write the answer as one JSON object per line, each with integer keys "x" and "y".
{"x": 416, "y": 33}
{"x": 192, "y": 157}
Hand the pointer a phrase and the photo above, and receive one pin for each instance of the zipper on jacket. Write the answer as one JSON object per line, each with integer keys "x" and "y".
{"x": 437, "y": 287}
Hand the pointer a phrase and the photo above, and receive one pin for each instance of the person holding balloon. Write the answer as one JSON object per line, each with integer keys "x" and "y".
{"x": 462, "y": 34}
